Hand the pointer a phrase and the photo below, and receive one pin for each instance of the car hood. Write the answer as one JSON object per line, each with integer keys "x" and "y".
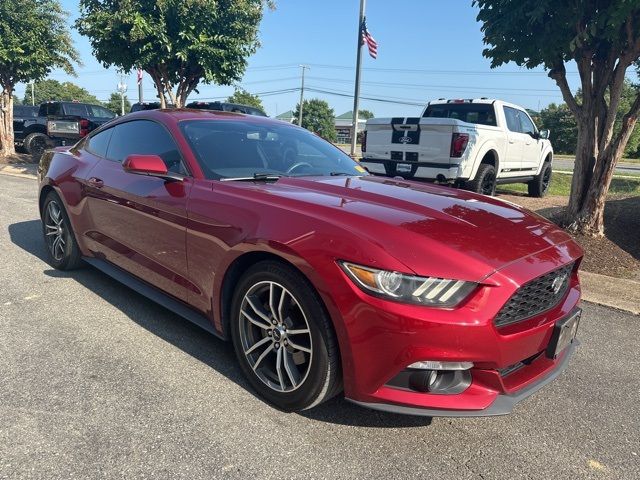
{"x": 429, "y": 228}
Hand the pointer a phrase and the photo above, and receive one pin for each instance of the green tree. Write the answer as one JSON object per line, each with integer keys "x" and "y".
{"x": 16, "y": 100}
{"x": 603, "y": 38}
{"x": 115, "y": 103}
{"x": 49, "y": 89}
{"x": 365, "y": 114}
{"x": 243, "y": 97}
{"x": 179, "y": 43}
{"x": 34, "y": 39}
{"x": 564, "y": 130}
{"x": 317, "y": 117}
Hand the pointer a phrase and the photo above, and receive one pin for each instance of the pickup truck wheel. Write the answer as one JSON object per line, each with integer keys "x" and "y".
{"x": 539, "y": 186}
{"x": 36, "y": 143}
{"x": 485, "y": 181}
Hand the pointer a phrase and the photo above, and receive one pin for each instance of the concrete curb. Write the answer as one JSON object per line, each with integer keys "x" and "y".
{"x": 613, "y": 292}
{"x": 27, "y": 170}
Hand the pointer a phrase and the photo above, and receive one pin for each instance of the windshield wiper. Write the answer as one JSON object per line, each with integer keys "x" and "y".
{"x": 342, "y": 174}
{"x": 261, "y": 177}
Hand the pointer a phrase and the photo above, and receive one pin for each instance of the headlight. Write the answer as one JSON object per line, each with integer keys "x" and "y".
{"x": 439, "y": 292}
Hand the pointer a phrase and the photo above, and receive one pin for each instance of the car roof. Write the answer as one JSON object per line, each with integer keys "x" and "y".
{"x": 182, "y": 114}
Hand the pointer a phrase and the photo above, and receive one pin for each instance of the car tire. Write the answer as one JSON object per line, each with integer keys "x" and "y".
{"x": 484, "y": 181}
{"x": 36, "y": 143}
{"x": 63, "y": 252}
{"x": 539, "y": 186}
{"x": 293, "y": 371}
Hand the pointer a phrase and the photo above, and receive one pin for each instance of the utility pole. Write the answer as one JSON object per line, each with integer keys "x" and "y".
{"x": 33, "y": 93}
{"x": 356, "y": 94}
{"x": 304, "y": 67}
{"x": 140, "y": 85}
{"x": 122, "y": 88}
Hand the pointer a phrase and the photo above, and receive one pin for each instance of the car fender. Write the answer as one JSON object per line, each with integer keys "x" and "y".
{"x": 547, "y": 151}
{"x": 34, "y": 128}
{"x": 487, "y": 146}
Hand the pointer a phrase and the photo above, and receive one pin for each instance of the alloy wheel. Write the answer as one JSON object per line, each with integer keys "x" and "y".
{"x": 55, "y": 230}
{"x": 275, "y": 336}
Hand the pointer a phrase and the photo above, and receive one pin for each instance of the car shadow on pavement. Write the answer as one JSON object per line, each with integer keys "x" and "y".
{"x": 192, "y": 340}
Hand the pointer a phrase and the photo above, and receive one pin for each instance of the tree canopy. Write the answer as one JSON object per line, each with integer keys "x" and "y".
{"x": 115, "y": 103}
{"x": 317, "y": 117}
{"x": 179, "y": 43}
{"x": 245, "y": 98}
{"x": 34, "y": 39}
{"x": 365, "y": 114}
{"x": 50, "y": 89}
{"x": 603, "y": 38}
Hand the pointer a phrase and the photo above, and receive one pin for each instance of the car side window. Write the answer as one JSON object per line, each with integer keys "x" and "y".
{"x": 526, "y": 124}
{"x": 99, "y": 143}
{"x": 513, "y": 119}
{"x": 146, "y": 138}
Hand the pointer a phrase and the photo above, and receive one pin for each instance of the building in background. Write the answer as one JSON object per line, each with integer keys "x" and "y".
{"x": 342, "y": 124}
{"x": 286, "y": 116}
{"x": 344, "y": 127}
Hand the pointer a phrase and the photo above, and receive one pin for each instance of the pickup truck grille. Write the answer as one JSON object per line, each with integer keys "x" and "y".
{"x": 535, "y": 297}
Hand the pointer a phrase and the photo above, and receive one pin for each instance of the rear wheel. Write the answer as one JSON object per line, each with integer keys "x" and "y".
{"x": 539, "y": 186}
{"x": 36, "y": 143}
{"x": 62, "y": 249}
{"x": 485, "y": 180}
{"x": 283, "y": 338}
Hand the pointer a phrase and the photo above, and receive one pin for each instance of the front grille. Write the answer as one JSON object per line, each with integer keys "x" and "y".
{"x": 535, "y": 297}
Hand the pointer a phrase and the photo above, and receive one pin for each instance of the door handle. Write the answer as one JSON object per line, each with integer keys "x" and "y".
{"x": 95, "y": 182}
{"x": 512, "y": 141}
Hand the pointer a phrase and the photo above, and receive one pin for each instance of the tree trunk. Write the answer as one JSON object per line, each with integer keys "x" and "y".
{"x": 7, "y": 146}
{"x": 591, "y": 218}
{"x": 597, "y": 151}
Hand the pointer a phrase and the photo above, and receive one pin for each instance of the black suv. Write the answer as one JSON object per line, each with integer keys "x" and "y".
{"x": 227, "y": 107}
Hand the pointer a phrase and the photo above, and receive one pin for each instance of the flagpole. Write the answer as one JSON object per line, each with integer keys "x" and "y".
{"x": 356, "y": 94}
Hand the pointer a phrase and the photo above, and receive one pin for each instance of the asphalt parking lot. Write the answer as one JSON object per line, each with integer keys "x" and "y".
{"x": 98, "y": 382}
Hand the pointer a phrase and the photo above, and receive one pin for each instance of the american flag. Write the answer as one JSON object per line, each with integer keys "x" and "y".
{"x": 369, "y": 41}
{"x": 139, "y": 76}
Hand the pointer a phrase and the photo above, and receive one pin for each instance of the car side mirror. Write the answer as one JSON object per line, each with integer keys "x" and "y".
{"x": 544, "y": 134}
{"x": 151, "y": 165}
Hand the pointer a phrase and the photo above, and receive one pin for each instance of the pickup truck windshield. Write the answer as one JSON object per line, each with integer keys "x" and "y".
{"x": 480, "y": 113}
{"x": 238, "y": 150}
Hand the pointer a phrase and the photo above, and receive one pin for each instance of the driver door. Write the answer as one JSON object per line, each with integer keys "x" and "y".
{"x": 139, "y": 222}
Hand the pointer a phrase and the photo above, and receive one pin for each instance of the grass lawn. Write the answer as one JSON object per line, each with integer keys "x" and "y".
{"x": 573, "y": 157}
{"x": 561, "y": 185}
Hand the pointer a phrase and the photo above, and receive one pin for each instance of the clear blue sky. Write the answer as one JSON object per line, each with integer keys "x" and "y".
{"x": 427, "y": 49}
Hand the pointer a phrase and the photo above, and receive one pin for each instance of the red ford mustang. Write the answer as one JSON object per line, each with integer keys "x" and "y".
{"x": 410, "y": 297}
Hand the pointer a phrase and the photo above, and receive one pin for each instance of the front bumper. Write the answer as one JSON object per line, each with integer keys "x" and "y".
{"x": 502, "y": 405}
{"x": 382, "y": 338}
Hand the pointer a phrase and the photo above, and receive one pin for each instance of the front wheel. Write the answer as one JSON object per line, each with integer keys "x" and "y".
{"x": 539, "y": 186}
{"x": 283, "y": 338}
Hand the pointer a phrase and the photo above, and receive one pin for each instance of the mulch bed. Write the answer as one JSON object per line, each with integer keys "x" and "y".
{"x": 18, "y": 159}
{"x": 618, "y": 253}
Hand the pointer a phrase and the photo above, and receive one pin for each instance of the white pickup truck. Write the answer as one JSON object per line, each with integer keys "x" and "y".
{"x": 474, "y": 144}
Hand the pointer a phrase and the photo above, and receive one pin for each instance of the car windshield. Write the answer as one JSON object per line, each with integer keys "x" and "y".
{"x": 229, "y": 149}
